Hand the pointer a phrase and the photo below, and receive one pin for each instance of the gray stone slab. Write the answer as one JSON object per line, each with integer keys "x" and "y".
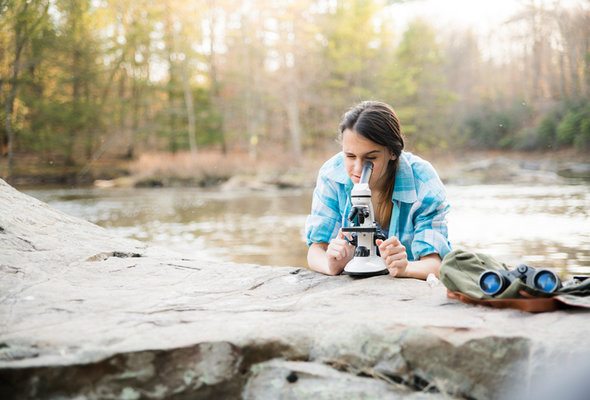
{"x": 86, "y": 314}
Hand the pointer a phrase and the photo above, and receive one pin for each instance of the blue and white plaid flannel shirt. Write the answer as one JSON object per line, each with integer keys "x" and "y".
{"x": 418, "y": 218}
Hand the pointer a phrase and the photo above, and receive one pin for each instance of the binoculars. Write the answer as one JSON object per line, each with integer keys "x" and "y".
{"x": 494, "y": 282}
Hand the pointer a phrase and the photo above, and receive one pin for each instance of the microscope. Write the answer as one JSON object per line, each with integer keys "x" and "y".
{"x": 365, "y": 231}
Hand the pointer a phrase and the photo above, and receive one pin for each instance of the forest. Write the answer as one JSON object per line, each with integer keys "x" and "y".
{"x": 84, "y": 80}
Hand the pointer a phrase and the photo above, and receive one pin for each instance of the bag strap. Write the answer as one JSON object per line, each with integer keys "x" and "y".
{"x": 528, "y": 304}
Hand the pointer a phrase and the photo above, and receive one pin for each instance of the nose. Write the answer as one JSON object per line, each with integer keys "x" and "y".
{"x": 358, "y": 167}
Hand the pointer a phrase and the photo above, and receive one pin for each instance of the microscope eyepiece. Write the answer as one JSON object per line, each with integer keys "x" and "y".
{"x": 366, "y": 172}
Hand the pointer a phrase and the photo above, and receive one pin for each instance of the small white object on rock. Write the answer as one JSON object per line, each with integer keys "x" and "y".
{"x": 432, "y": 280}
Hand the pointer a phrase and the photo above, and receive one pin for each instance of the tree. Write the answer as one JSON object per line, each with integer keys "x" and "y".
{"x": 25, "y": 19}
{"x": 352, "y": 43}
{"x": 418, "y": 87}
{"x": 80, "y": 56}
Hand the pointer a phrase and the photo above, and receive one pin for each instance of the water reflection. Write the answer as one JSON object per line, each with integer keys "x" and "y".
{"x": 546, "y": 226}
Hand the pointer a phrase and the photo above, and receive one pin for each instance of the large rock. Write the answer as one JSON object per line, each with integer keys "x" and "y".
{"x": 85, "y": 314}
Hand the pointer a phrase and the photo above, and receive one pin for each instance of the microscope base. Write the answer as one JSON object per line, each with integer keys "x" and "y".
{"x": 366, "y": 274}
{"x": 364, "y": 267}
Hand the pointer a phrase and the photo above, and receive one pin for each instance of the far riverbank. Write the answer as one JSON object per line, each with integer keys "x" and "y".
{"x": 239, "y": 170}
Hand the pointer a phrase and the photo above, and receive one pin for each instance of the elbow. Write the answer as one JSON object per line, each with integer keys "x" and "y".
{"x": 429, "y": 264}
{"x": 436, "y": 264}
{"x": 436, "y": 269}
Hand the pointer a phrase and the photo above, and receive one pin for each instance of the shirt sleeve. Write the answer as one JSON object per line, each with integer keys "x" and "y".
{"x": 325, "y": 220}
{"x": 430, "y": 227}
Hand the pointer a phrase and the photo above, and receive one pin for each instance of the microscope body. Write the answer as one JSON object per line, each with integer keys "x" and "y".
{"x": 366, "y": 261}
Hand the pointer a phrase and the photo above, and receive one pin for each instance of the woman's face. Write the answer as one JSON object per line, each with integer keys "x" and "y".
{"x": 358, "y": 149}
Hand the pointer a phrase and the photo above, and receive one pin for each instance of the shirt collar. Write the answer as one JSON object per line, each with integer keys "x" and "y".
{"x": 340, "y": 174}
{"x": 405, "y": 186}
{"x": 404, "y": 189}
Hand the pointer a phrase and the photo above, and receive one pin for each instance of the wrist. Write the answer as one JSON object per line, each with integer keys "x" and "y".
{"x": 404, "y": 272}
{"x": 334, "y": 267}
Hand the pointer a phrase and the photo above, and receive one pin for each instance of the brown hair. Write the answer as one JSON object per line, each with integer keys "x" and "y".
{"x": 379, "y": 123}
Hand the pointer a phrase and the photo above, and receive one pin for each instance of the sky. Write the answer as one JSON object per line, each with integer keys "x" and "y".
{"x": 485, "y": 18}
{"x": 481, "y": 15}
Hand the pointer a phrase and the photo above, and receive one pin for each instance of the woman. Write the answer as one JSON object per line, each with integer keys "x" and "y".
{"x": 407, "y": 195}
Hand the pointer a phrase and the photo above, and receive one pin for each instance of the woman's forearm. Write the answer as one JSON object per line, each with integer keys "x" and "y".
{"x": 318, "y": 261}
{"x": 420, "y": 269}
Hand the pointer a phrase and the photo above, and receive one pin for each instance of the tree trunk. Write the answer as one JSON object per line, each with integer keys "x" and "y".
{"x": 294, "y": 124}
{"x": 190, "y": 109}
{"x": 9, "y": 107}
{"x": 170, "y": 48}
{"x": 76, "y": 80}
{"x": 213, "y": 76}
{"x": 136, "y": 96}
{"x": 292, "y": 92}
{"x": 89, "y": 145}
{"x": 70, "y": 160}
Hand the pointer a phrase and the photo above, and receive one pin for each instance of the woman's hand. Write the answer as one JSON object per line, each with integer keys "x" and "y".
{"x": 394, "y": 255}
{"x": 339, "y": 253}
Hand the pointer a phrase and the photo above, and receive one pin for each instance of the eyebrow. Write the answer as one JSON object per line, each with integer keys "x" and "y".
{"x": 366, "y": 154}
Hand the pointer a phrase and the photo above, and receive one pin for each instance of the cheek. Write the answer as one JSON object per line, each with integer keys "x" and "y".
{"x": 378, "y": 171}
{"x": 348, "y": 165}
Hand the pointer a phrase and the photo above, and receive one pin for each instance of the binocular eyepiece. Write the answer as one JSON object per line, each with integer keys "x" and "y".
{"x": 494, "y": 282}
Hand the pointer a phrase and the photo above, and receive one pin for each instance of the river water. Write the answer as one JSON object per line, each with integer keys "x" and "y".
{"x": 541, "y": 225}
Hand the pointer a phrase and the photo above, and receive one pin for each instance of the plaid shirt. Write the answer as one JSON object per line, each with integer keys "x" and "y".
{"x": 418, "y": 218}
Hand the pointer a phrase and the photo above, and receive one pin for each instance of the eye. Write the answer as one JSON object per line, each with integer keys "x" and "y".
{"x": 350, "y": 156}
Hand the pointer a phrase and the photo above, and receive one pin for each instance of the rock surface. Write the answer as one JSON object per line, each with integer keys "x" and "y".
{"x": 87, "y": 315}
{"x": 513, "y": 168}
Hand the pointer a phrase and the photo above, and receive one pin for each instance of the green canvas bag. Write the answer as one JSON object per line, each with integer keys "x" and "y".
{"x": 460, "y": 272}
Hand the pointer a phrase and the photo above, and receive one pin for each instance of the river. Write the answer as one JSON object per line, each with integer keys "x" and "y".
{"x": 541, "y": 225}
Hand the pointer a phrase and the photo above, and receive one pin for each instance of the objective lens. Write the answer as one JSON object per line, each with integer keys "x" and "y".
{"x": 546, "y": 281}
{"x": 490, "y": 282}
